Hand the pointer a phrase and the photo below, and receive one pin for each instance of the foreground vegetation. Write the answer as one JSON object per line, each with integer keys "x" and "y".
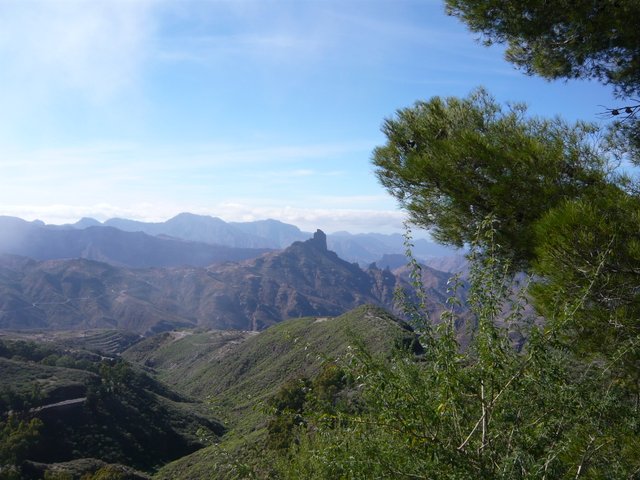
{"x": 491, "y": 411}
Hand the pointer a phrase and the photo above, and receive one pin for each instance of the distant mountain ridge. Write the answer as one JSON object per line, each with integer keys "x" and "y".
{"x": 363, "y": 248}
{"x": 196, "y": 228}
{"x": 111, "y": 245}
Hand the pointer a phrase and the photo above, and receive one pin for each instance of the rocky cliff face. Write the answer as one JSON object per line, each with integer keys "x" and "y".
{"x": 305, "y": 279}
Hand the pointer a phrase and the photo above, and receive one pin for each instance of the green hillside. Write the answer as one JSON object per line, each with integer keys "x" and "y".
{"x": 179, "y": 358}
{"x": 239, "y": 373}
{"x": 157, "y": 403}
{"x": 235, "y": 371}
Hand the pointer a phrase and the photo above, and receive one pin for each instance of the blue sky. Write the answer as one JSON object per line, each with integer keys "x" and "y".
{"x": 238, "y": 109}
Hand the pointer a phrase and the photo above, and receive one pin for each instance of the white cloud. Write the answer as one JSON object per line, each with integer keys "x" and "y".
{"x": 361, "y": 201}
{"x": 268, "y": 46}
{"x": 96, "y": 47}
{"x": 327, "y": 219}
{"x": 113, "y": 161}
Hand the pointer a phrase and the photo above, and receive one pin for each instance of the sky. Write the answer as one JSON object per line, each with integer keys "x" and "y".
{"x": 239, "y": 109}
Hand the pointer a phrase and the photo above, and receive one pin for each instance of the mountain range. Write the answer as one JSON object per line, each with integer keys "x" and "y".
{"x": 302, "y": 280}
{"x": 179, "y": 326}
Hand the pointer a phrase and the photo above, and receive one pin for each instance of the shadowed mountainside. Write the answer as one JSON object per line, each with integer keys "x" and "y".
{"x": 305, "y": 279}
{"x": 110, "y": 245}
{"x": 96, "y": 407}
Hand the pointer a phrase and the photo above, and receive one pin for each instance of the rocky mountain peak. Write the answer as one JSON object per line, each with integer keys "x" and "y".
{"x": 319, "y": 240}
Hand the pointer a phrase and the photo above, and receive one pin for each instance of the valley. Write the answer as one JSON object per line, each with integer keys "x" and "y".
{"x": 193, "y": 402}
{"x": 110, "y": 349}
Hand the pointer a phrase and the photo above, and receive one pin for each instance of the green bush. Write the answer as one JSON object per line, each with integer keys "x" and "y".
{"x": 17, "y": 437}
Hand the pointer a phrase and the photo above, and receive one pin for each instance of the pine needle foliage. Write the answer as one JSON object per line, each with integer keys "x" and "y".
{"x": 451, "y": 162}
{"x": 574, "y": 241}
{"x": 589, "y": 39}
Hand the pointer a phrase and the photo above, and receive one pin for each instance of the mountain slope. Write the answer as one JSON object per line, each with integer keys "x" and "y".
{"x": 241, "y": 374}
{"x": 243, "y": 366}
{"x": 305, "y": 279}
{"x": 98, "y": 407}
{"x": 79, "y": 294}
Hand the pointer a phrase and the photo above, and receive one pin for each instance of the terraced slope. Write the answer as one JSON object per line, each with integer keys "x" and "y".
{"x": 240, "y": 369}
